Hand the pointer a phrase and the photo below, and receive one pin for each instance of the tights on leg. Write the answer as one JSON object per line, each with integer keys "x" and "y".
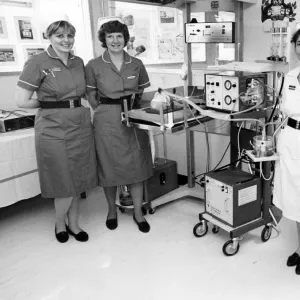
{"x": 298, "y": 231}
{"x": 73, "y": 215}
{"x": 62, "y": 206}
{"x": 110, "y": 194}
{"x": 136, "y": 190}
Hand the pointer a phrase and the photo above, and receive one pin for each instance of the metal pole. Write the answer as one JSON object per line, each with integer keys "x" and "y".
{"x": 239, "y": 32}
{"x": 189, "y": 133}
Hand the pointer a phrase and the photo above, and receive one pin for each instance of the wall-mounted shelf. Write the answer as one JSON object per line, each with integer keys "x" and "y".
{"x": 248, "y": 1}
{"x": 265, "y": 66}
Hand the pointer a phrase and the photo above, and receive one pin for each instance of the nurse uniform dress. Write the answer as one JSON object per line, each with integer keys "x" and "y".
{"x": 286, "y": 195}
{"x": 64, "y": 139}
{"x": 124, "y": 153}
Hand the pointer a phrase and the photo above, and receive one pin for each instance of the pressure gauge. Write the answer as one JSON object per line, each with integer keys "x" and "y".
{"x": 227, "y": 85}
{"x": 228, "y": 100}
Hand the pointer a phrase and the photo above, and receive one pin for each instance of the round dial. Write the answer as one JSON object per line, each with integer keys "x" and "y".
{"x": 228, "y": 100}
{"x": 227, "y": 85}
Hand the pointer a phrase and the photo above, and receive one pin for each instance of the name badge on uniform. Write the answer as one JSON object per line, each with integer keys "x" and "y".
{"x": 292, "y": 87}
{"x": 56, "y": 69}
{"x": 131, "y": 77}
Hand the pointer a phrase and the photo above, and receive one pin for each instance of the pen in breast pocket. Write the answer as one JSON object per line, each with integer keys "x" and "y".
{"x": 52, "y": 73}
{"x": 48, "y": 71}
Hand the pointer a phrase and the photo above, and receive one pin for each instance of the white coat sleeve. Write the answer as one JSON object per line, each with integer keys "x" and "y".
{"x": 291, "y": 99}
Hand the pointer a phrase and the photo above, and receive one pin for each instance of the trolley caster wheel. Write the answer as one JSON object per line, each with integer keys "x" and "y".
{"x": 144, "y": 211}
{"x": 215, "y": 229}
{"x": 152, "y": 211}
{"x": 122, "y": 209}
{"x": 266, "y": 233}
{"x": 229, "y": 250}
{"x": 200, "y": 229}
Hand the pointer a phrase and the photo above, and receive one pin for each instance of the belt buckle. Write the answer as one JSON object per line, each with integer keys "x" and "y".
{"x": 297, "y": 124}
{"x": 71, "y": 103}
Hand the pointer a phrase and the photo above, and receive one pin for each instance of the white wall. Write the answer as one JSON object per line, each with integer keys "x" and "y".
{"x": 7, "y": 88}
{"x": 254, "y": 36}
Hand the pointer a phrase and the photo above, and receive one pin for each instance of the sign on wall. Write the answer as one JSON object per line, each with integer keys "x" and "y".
{"x": 278, "y": 10}
{"x": 214, "y": 5}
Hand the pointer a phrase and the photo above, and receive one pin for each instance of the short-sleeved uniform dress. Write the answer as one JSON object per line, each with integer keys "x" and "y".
{"x": 124, "y": 153}
{"x": 64, "y": 141}
{"x": 286, "y": 195}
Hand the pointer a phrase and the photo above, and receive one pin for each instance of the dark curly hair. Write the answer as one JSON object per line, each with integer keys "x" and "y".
{"x": 295, "y": 37}
{"x": 113, "y": 27}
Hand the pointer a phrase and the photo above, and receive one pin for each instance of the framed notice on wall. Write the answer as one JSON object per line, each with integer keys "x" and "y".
{"x": 167, "y": 16}
{"x": 25, "y": 31}
{"x": 33, "y": 50}
{"x": 8, "y": 55}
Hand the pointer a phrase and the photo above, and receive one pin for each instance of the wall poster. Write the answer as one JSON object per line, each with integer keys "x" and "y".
{"x": 32, "y": 50}
{"x": 25, "y": 31}
{"x": 166, "y": 16}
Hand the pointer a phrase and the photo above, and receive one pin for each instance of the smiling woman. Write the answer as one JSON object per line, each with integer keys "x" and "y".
{"x": 61, "y": 35}
{"x": 63, "y": 131}
{"x": 124, "y": 153}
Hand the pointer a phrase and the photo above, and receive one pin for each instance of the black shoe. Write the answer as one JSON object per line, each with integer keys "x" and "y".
{"x": 62, "y": 236}
{"x": 143, "y": 226}
{"x": 293, "y": 260}
{"x": 81, "y": 236}
{"x": 112, "y": 224}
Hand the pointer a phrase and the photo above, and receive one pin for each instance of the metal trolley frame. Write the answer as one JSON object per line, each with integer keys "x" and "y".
{"x": 267, "y": 219}
{"x": 161, "y": 128}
